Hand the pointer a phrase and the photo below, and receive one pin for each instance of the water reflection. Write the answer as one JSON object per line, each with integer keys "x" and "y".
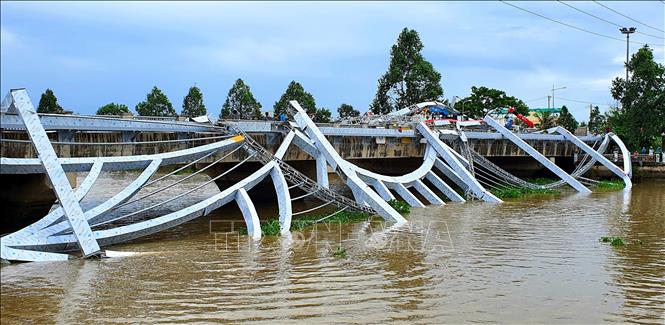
{"x": 536, "y": 260}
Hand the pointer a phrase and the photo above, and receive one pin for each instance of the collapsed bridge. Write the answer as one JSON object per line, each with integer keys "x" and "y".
{"x": 68, "y": 228}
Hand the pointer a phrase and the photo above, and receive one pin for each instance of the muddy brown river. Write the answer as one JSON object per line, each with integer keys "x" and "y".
{"x": 536, "y": 260}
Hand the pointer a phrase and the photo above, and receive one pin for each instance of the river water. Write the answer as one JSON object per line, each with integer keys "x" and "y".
{"x": 537, "y": 260}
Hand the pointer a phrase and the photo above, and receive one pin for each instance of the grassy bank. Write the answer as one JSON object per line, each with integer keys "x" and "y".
{"x": 611, "y": 185}
{"x": 518, "y": 192}
{"x": 271, "y": 226}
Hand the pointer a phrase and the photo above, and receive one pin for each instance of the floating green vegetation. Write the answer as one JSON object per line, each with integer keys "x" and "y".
{"x": 271, "y": 226}
{"x": 400, "y": 206}
{"x": 618, "y": 241}
{"x": 340, "y": 252}
{"x": 517, "y": 192}
{"x": 611, "y": 185}
{"x": 614, "y": 241}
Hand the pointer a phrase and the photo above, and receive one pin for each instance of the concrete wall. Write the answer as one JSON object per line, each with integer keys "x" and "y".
{"x": 111, "y": 144}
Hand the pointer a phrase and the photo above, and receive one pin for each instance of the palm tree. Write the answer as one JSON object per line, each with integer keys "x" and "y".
{"x": 546, "y": 120}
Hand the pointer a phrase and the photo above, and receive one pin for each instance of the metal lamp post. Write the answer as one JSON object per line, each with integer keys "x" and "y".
{"x": 553, "y": 89}
{"x": 627, "y": 31}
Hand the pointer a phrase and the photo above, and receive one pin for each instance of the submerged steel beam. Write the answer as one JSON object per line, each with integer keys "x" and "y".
{"x": 427, "y": 193}
{"x": 336, "y": 162}
{"x": 383, "y": 191}
{"x": 411, "y": 199}
{"x": 537, "y": 155}
{"x": 443, "y": 187}
{"x": 249, "y": 213}
{"x": 322, "y": 171}
{"x": 20, "y": 102}
{"x": 456, "y": 167}
{"x": 282, "y": 187}
{"x": 624, "y": 174}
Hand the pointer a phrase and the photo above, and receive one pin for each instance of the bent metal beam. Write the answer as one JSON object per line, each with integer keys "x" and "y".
{"x": 537, "y": 155}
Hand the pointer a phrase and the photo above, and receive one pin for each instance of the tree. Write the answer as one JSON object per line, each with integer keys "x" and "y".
{"x": 156, "y": 104}
{"x": 295, "y": 91}
{"x": 113, "y": 109}
{"x": 240, "y": 103}
{"x": 410, "y": 78}
{"x": 546, "y": 120}
{"x": 641, "y": 119}
{"x": 596, "y": 120}
{"x": 192, "y": 104}
{"x": 567, "y": 120}
{"x": 48, "y": 103}
{"x": 322, "y": 115}
{"x": 346, "y": 110}
{"x": 483, "y": 100}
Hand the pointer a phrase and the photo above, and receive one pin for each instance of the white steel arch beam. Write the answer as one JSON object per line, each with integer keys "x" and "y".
{"x": 623, "y": 174}
{"x": 248, "y": 213}
{"x": 456, "y": 167}
{"x": 336, "y": 162}
{"x": 383, "y": 191}
{"x": 21, "y": 104}
{"x": 427, "y": 193}
{"x": 151, "y": 226}
{"x": 282, "y": 187}
{"x": 381, "y": 183}
{"x": 537, "y": 155}
{"x": 450, "y": 173}
{"x": 82, "y": 164}
{"x": 283, "y": 199}
{"x": 627, "y": 164}
{"x": 92, "y": 215}
{"x": 322, "y": 171}
{"x": 411, "y": 199}
{"x": 13, "y": 254}
{"x": 57, "y": 213}
{"x": 443, "y": 187}
{"x": 419, "y": 173}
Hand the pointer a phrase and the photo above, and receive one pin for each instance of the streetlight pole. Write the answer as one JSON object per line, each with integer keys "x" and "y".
{"x": 456, "y": 99}
{"x": 553, "y": 89}
{"x": 627, "y": 31}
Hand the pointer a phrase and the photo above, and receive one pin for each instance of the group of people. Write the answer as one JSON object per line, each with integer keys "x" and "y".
{"x": 657, "y": 154}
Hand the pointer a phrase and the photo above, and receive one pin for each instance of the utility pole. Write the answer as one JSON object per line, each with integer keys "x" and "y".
{"x": 588, "y": 124}
{"x": 627, "y": 31}
{"x": 548, "y": 101}
{"x": 553, "y": 89}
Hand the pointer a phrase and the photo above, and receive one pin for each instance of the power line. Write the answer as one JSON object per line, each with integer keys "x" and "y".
{"x": 535, "y": 99}
{"x": 635, "y": 20}
{"x": 582, "y": 101}
{"x": 572, "y": 26}
{"x": 605, "y": 20}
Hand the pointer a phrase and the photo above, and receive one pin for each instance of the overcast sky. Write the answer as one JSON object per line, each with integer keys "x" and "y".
{"x": 94, "y": 53}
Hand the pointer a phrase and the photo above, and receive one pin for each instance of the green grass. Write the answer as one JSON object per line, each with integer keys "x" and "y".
{"x": 271, "y": 226}
{"x": 400, "y": 206}
{"x": 614, "y": 184}
{"x": 614, "y": 241}
{"x": 340, "y": 252}
{"x": 618, "y": 241}
{"x": 518, "y": 192}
